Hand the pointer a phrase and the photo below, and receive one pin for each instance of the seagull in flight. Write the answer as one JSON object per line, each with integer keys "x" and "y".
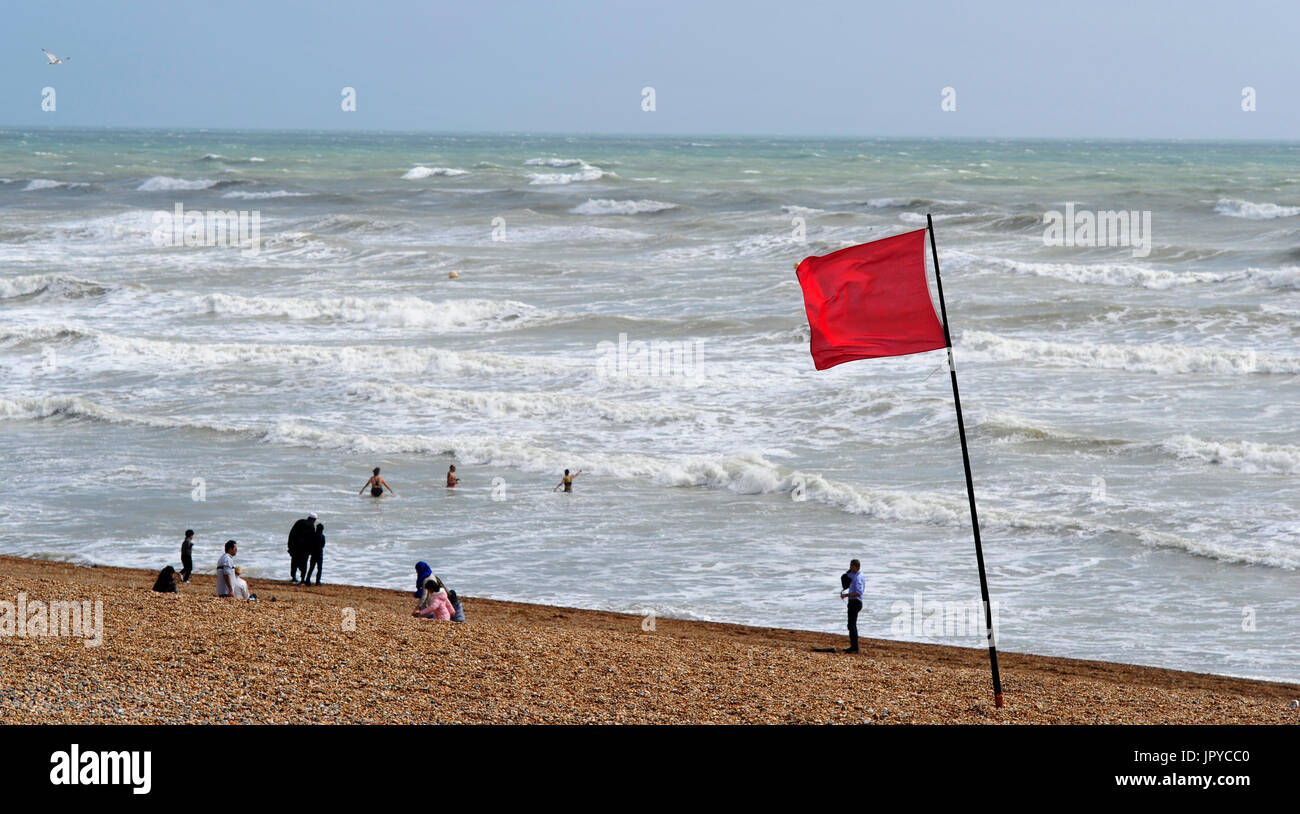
{"x": 53, "y": 59}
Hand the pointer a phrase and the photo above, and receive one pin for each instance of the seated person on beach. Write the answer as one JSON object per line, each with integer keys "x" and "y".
{"x": 567, "y": 481}
{"x": 452, "y": 477}
{"x": 226, "y": 570}
{"x": 422, "y": 572}
{"x": 241, "y": 585}
{"x": 435, "y": 604}
{"x": 458, "y": 613}
{"x": 166, "y": 582}
{"x": 377, "y": 485}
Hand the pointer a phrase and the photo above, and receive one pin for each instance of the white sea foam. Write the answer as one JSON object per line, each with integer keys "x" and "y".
{"x": 772, "y": 243}
{"x": 743, "y": 473}
{"x": 401, "y": 312}
{"x": 76, "y": 407}
{"x": 1112, "y": 274}
{"x": 27, "y": 284}
{"x": 538, "y": 406}
{"x": 258, "y": 196}
{"x": 606, "y": 206}
{"x": 1286, "y": 277}
{"x": 417, "y": 173}
{"x": 38, "y": 184}
{"x": 162, "y": 183}
{"x": 793, "y": 209}
{"x": 350, "y": 359}
{"x": 558, "y": 163}
{"x": 1238, "y": 208}
{"x": 585, "y": 172}
{"x": 1244, "y": 456}
{"x": 1154, "y": 358}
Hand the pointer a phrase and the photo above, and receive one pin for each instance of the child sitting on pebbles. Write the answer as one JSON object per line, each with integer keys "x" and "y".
{"x": 241, "y": 585}
{"x": 434, "y": 604}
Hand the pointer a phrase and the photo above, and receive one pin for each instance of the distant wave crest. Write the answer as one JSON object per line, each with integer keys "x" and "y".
{"x": 417, "y": 173}
{"x": 1155, "y": 358}
{"x": 1237, "y": 208}
{"x": 606, "y": 206}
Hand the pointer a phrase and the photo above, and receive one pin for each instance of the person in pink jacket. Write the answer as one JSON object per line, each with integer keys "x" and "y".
{"x": 435, "y": 604}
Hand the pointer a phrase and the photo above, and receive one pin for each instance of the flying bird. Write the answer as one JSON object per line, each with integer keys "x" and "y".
{"x": 53, "y": 59}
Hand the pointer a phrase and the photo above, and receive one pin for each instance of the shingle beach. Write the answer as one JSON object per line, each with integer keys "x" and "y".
{"x": 345, "y": 654}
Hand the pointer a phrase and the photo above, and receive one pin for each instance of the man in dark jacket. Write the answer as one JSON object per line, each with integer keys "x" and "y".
{"x": 317, "y": 554}
{"x": 302, "y": 541}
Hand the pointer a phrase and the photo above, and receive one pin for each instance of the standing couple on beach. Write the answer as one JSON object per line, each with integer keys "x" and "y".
{"x": 306, "y": 549}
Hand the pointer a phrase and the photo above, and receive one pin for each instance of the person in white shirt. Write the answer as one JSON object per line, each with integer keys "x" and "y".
{"x": 853, "y": 592}
{"x": 241, "y": 585}
{"x": 226, "y": 570}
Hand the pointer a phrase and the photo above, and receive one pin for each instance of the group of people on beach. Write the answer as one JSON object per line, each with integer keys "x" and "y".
{"x": 230, "y": 580}
{"x": 437, "y": 601}
{"x": 306, "y": 548}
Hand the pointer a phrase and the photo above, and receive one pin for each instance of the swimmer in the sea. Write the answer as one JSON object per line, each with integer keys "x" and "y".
{"x": 377, "y": 485}
{"x": 567, "y": 481}
{"x": 452, "y": 477}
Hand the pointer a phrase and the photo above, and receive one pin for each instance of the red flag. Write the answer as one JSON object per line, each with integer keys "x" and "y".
{"x": 870, "y": 300}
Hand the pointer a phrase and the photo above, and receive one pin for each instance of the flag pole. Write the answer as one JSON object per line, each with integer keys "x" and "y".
{"x": 970, "y": 486}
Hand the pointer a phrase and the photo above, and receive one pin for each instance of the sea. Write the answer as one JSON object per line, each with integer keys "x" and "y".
{"x": 627, "y": 307}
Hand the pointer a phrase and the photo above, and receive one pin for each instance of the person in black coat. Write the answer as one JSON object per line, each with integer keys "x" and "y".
{"x": 187, "y": 555}
{"x": 302, "y": 541}
{"x": 166, "y": 582}
{"x": 317, "y": 554}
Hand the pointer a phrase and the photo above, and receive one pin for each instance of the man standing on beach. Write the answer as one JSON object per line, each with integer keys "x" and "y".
{"x": 302, "y": 541}
{"x": 226, "y": 570}
{"x": 317, "y": 554}
{"x": 187, "y": 555}
{"x": 854, "y": 592}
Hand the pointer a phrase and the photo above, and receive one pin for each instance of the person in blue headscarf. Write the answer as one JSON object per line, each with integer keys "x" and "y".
{"x": 422, "y": 572}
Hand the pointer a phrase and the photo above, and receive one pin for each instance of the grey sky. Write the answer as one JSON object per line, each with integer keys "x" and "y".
{"x": 1110, "y": 69}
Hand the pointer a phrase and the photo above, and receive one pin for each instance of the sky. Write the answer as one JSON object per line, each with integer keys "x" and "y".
{"x": 1101, "y": 69}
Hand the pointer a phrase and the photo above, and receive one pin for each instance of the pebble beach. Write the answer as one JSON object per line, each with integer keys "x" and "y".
{"x": 352, "y": 655}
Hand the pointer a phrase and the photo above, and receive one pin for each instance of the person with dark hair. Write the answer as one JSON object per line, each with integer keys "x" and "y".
{"x": 435, "y": 604}
{"x": 567, "y": 481}
{"x": 853, "y": 588}
{"x": 458, "y": 612}
{"x": 166, "y": 582}
{"x": 187, "y": 550}
{"x": 376, "y": 485}
{"x": 317, "y": 554}
{"x": 302, "y": 541}
{"x": 452, "y": 477}
{"x": 226, "y": 570}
